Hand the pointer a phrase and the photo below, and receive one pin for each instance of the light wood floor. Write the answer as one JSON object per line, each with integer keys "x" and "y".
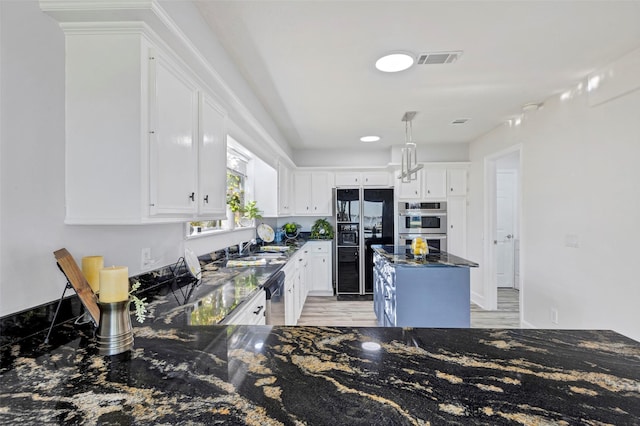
{"x": 327, "y": 311}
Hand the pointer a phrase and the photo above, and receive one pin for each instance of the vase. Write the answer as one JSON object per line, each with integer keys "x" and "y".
{"x": 230, "y": 222}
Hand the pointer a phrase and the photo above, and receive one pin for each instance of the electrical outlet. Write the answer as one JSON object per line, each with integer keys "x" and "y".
{"x": 553, "y": 313}
{"x": 571, "y": 240}
{"x": 145, "y": 258}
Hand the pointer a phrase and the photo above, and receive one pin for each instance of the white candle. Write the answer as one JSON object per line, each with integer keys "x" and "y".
{"x": 91, "y": 266}
{"x": 114, "y": 284}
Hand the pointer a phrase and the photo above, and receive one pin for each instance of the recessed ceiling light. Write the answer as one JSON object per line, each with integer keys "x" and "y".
{"x": 394, "y": 62}
{"x": 370, "y": 138}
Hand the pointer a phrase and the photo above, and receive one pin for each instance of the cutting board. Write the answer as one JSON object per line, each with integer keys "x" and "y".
{"x": 75, "y": 276}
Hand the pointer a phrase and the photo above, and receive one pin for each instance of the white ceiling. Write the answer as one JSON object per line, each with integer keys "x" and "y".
{"x": 311, "y": 63}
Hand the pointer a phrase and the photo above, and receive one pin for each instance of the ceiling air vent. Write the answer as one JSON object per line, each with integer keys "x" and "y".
{"x": 435, "y": 58}
{"x": 460, "y": 121}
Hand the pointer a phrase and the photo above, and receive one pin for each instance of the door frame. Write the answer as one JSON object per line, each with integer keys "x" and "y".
{"x": 490, "y": 275}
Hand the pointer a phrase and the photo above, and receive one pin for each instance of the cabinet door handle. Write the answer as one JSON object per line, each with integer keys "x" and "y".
{"x": 257, "y": 311}
{"x": 193, "y": 196}
{"x": 206, "y": 198}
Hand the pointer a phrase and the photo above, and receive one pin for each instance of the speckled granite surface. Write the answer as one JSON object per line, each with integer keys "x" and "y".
{"x": 264, "y": 375}
{"x": 401, "y": 256}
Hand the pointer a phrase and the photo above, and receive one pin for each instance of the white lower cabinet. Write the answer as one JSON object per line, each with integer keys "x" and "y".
{"x": 308, "y": 272}
{"x": 319, "y": 268}
{"x": 291, "y": 289}
{"x": 251, "y": 312}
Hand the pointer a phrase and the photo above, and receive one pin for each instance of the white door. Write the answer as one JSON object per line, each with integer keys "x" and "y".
{"x": 506, "y": 185}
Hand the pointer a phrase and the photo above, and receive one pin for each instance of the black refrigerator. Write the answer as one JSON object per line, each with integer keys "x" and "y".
{"x": 364, "y": 217}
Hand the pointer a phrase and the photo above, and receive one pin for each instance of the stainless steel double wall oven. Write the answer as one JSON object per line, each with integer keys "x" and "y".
{"x": 425, "y": 219}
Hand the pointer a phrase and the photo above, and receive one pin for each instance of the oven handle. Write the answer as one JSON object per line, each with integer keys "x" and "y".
{"x": 425, "y": 236}
{"x": 420, "y": 214}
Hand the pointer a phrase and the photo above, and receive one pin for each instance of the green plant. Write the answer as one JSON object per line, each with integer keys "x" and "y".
{"x": 251, "y": 210}
{"x": 140, "y": 305}
{"x": 291, "y": 228}
{"x": 235, "y": 195}
{"x": 322, "y": 230}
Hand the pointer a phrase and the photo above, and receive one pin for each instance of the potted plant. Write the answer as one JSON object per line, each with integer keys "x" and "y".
{"x": 322, "y": 230}
{"x": 291, "y": 229}
{"x": 251, "y": 213}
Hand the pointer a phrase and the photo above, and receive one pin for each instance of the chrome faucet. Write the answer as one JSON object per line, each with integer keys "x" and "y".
{"x": 245, "y": 248}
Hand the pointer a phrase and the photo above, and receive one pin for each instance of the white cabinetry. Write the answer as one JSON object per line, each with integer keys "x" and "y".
{"x": 212, "y": 167}
{"x": 172, "y": 139}
{"x": 132, "y": 133}
{"x": 362, "y": 179}
{"x": 292, "y": 289}
{"x": 312, "y": 193}
{"x": 250, "y": 312}
{"x": 319, "y": 268}
{"x": 456, "y": 182}
{"x": 411, "y": 190}
{"x": 435, "y": 183}
{"x": 284, "y": 190}
{"x": 457, "y": 226}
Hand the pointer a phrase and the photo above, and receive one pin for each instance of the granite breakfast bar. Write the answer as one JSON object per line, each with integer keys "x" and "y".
{"x": 265, "y": 375}
{"x": 183, "y": 371}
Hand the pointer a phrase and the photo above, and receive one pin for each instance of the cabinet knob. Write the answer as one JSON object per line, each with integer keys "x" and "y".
{"x": 451, "y": 189}
{"x": 206, "y": 198}
{"x": 193, "y": 196}
{"x": 428, "y": 191}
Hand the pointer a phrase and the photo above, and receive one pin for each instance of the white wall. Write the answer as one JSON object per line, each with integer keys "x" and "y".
{"x": 32, "y": 170}
{"x": 580, "y": 178}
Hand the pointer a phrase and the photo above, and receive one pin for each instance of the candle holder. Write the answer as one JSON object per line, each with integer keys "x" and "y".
{"x": 114, "y": 334}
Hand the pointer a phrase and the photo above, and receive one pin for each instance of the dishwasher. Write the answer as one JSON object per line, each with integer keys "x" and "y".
{"x": 274, "y": 288}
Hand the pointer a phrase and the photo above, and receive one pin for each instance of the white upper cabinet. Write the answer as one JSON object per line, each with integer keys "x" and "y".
{"x": 435, "y": 183}
{"x": 212, "y": 156}
{"x": 456, "y": 182}
{"x": 284, "y": 190}
{"x": 312, "y": 193}
{"x": 411, "y": 190}
{"x": 135, "y": 133}
{"x": 173, "y": 139}
{"x": 361, "y": 179}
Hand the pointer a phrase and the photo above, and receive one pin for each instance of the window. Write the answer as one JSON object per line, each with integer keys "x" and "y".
{"x": 237, "y": 165}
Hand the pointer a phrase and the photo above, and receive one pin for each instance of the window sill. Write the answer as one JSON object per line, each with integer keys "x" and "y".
{"x": 218, "y": 232}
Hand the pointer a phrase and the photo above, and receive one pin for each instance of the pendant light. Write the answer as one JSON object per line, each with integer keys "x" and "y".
{"x": 409, "y": 166}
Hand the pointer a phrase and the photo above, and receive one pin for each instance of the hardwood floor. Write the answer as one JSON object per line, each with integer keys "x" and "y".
{"x": 327, "y": 311}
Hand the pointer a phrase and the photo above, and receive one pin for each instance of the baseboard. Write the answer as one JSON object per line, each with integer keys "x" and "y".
{"x": 355, "y": 297}
{"x": 478, "y": 299}
{"x": 321, "y": 293}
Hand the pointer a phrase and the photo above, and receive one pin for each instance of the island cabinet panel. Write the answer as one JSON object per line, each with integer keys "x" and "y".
{"x": 413, "y": 296}
{"x": 135, "y": 130}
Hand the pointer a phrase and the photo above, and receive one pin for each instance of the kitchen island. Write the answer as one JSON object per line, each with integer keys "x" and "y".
{"x": 263, "y": 375}
{"x": 429, "y": 291}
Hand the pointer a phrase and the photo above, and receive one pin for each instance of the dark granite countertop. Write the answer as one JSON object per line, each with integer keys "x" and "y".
{"x": 221, "y": 290}
{"x": 401, "y": 256}
{"x": 265, "y": 375}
